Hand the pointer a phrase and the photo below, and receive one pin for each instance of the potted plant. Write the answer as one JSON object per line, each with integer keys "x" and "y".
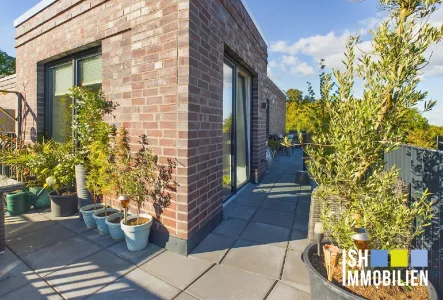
{"x": 102, "y": 176}
{"x": 122, "y": 165}
{"x": 87, "y": 123}
{"x": 63, "y": 196}
{"x": 137, "y": 182}
{"x": 346, "y": 156}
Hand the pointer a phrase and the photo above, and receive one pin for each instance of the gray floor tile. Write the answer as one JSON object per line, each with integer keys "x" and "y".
{"x": 15, "y": 274}
{"x": 136, "y": 257}
{"x": 298, "y": 240}
{"x": 289, "y": 197}
{"x": 176, "y": 269}
{"x": 39, "y": 239}
{"x": 19, "y": 225}
{"x": 266, "y": 234}
{"x": 231, "y": 227}
{"x": 85, "y": 277}
{"x": 37, "y": 290}
{"x": 213, "y": 247}
{"x": 74, "y": 223}
{"x": 250, "y": 200}
{"x": 280, "y": 205}
{"x": 234, "y": 210}
{"x": 295, "y": 272}
{"x": 226, "y": 283}
{"x": 256, "y": 258}
{"x": 57, "y": 256}
{"x": 184, "y": 296}
{"x": 7, "y": 256}
{"x": 95, "y": 236}
{"x": 273, "y": 217}
{"x": 282, "y": 291}
{"x": 137, "y": 285}
{"x": 301, "y": 222}
{"x": 302, "y": 208}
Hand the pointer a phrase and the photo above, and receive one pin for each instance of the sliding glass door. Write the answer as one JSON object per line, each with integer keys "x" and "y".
{"x": 236, "y": 128}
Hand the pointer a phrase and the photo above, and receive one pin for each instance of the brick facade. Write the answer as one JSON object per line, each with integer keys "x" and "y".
{"x": 162, "y": 63}
{"x": 277, "y": 108}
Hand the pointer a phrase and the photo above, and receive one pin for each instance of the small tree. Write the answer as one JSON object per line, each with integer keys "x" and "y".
{"x": 347, "y": 155}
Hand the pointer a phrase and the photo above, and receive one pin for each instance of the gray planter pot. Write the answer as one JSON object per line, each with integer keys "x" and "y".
{"x": 115, "y": 229}
{"x": 87, "y": 211}
{"x": 100, "y": 221}
{"x": 137, "y": 236}
{"x": 63, "y": 205}
{"x": 84, "y": 196}
{"x": 322, "y": 289}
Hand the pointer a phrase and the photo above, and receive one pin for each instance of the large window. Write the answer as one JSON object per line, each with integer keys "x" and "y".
{"x": 81, "y": 70}
{"x": 236, "y": 127}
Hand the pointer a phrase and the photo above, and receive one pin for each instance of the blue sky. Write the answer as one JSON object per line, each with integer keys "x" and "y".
{"x": 298, "y": 33}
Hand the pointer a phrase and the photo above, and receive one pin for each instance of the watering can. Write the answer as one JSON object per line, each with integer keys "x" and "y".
{"x": 19, "y": 202}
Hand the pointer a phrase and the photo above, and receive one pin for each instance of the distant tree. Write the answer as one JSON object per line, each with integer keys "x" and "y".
{"x": 294, "y": 95}
{"x": 7, "y": 64}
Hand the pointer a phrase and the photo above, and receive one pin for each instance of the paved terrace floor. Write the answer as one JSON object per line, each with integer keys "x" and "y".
{"x": 255, "y": 253}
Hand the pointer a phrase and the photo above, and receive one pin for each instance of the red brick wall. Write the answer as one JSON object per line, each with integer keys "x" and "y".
{"x": 162, "y": 63}
{"x": 145, "y": 70}
{"x": 277, "y": 108}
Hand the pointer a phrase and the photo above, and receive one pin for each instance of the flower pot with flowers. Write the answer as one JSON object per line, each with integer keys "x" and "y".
{"x": 356, "y": 195}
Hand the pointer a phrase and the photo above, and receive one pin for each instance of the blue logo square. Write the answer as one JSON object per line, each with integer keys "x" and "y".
{"x": 419, "y": 258}
{"x": 379, "y": 258}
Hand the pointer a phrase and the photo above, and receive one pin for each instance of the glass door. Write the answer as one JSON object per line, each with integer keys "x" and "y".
{"x": 236, "y": 128}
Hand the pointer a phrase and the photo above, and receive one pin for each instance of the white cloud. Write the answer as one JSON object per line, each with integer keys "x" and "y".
{"x": 302, "y": 69}
{"x": 435, "y": 116}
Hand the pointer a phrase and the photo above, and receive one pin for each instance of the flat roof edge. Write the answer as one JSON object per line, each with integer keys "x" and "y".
{"x": 33, "y": 11}
{"x": 254, "y": 20}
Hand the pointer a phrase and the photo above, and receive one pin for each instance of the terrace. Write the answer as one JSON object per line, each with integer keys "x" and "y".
{"x": 255, "y": 253}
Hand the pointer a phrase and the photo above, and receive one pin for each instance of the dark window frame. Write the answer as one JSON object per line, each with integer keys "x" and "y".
{"x": 74, "y": 59}
{"x": 235, "y": 69}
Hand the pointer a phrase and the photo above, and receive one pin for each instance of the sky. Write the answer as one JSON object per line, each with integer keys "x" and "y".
{"x": 299, "y": 33}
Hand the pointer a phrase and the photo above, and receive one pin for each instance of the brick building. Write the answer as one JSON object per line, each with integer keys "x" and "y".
{"x": 191, "y": 74}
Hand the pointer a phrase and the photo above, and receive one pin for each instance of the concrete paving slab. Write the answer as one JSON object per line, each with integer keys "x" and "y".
{"x": 15, "y": 274}
{"x": 136, "y": 257}
{"x": 249, "y": 200}
{"x": 274, "y": 204}
{"x": 74, "y": 223}
{"x": 298, "y": 240}
{"x": 137, "y": 285}
{"x": 273, "y": 217}
{"x": 282, "y": 291}
{"x": 37, "y": 290}
{"x": 89, "y": 275}
{"x": 301, "y": 222}
{"x": 227, "y": 283}
{"x": 231, "y": 227}
{"x": 39, "y": 239}
{"x": 176, "y": 269}
{"x": 295, "y": 272}
{"x": 303, "y": 208}
{"x": 266, "y": 234}
{"x": 259, "y": 259}
{"x": 7, "y": 256}
{"x": 184, "y": 296}
{"x": 237, "y": 211}
{"x": 56, "y": 257}
{"x": 18, "y": 225}
{"x": 290, "y": 197}
{"x": 95, "y": 236}
{"x": 213, "y": 247}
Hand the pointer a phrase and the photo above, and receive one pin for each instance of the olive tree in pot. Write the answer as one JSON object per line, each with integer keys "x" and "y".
{"x": 63, "y": 196}
{"x": 137, "y": 183}
{"x": 346, "y": 157}
{"x": 102, "y": 177}
{"x": 87, "y": 125}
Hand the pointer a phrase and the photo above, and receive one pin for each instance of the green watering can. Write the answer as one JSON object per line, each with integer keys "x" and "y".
{"x": 20, "y": 202}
